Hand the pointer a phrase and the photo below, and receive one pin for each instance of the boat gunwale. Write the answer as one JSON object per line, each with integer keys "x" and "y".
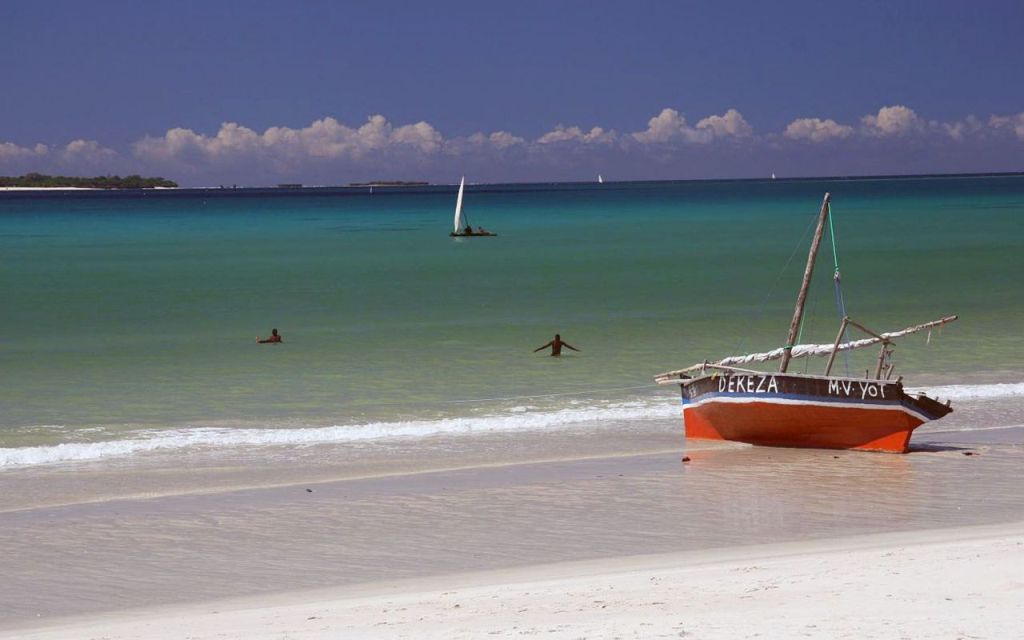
{"x": 905, "y": 403}
{"x": 914, "y": 402}
{"x": 690, "y": 379}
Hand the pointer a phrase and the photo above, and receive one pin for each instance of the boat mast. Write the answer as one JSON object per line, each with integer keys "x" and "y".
{"x": 798, "y": 313}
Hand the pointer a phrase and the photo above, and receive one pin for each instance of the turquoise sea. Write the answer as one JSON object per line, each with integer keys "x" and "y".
{"x": 127, "y": 315}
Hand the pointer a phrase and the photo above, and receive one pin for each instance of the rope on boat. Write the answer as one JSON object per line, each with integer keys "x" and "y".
{"x": 837, "y": 282}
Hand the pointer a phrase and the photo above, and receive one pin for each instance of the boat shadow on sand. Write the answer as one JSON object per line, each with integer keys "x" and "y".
{"x": 939, "y": 447}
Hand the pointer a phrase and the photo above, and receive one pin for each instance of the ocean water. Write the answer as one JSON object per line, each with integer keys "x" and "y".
{"x": 129, "y": 319}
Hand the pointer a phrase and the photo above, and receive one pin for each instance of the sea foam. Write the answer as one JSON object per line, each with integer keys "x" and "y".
{"x": 512, "y": 420}
{"x": 207, "y": 438}
{"x": 972, "y": 391}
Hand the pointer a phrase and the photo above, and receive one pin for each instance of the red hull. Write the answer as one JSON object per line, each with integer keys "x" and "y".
{"x": 778, "y": 424}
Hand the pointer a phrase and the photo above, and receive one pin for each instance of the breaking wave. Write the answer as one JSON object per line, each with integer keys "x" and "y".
{"x": 516, "y": 419}
{"x": 521, "y": 419}
{"x": 973, "y": 391}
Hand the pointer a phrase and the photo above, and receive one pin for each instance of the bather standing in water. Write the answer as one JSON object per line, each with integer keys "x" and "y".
{"x": 273, "y": 338}
{"x": 556, "y": 346}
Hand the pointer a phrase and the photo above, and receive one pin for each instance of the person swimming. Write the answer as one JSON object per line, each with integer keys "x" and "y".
{"x": 273, "y": 338}
{"x": 556, "y": 346}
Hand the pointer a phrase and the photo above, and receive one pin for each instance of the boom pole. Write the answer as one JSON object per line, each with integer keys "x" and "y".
{"x": 806, "y": 350}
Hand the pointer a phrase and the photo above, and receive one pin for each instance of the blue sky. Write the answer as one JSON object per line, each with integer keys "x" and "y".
{"x": 332, "y": 92}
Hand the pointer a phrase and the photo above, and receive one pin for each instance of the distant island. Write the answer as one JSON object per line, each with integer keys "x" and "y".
{"x": 389, "y": 183}
{"x": 40, "y": 181}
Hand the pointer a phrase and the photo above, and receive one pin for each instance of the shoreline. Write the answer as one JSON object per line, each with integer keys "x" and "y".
{"x": 227, "y": 539}
{"x": 209, "y": 467}
{"x": 153, "y": 441}
{"x": 51, "y": 189}
{"x": 206, "y": 466}
{"x": 434, "y": 186}
{"x": 86, "y": 188}
{"x": 901, "y": 578}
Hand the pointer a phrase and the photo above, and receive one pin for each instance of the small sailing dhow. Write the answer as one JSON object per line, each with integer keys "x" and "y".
{"x": 461, "y": 227}
{"x": 722, "y": 401}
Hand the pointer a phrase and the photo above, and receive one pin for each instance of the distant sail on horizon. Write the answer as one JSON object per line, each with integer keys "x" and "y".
{"x": 460, "y": 225}
{"x": 600, "y": 180}
{"x": 458, "y": 206}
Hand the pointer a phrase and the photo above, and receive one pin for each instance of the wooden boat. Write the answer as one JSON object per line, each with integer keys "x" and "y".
{"x": 461, "y": 227}
{"x": 722, "y": 401}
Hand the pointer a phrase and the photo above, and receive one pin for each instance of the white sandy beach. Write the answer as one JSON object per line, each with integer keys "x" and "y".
{"x": 48, "y": 189}
{"x": 568, "y": 534}
{"x": 67, "y": 188}
{"x": 955, "y": 583}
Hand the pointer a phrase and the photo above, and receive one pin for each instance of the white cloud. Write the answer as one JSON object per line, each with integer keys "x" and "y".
{"x": 962, "y": 129}
{"x": 79, "y": 157}
{"x": 324, "y": 138}
{"x": 890, "y": 122}
{"x": 729, "y": 124}
{"x": 482, "y": 142}
{"x": 11, "y": 151}
{"x": 331, "y": 151}
{"x": 1013, "y": 123}
{"x": 896, "y": 120}
{"x": 671, "y": 126}
{"x": 420, "y": 136}
{"x": 560, "y": 133}
{"x": 666, "y": 126}
{"x": 817, "y": 130}
{"x": 504, "y": 140}
{"x": 173, "y": 144}
{"x": 88, "y": 153}
{"x": 326, "y": 148}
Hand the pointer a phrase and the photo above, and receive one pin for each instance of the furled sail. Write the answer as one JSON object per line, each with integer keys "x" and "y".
{"x": 804, "y": 350}
{"x": 458, "y": 206}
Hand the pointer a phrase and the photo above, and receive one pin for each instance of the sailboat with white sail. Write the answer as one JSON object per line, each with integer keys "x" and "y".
{"x": 460, "y": 226}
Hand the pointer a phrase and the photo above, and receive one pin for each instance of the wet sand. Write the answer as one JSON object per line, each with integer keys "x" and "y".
{"x": 88, "y": 540}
